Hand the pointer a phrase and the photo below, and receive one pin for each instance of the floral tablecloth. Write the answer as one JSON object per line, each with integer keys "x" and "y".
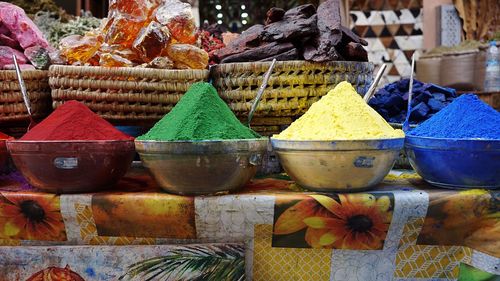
{"x": 403, "y": 230}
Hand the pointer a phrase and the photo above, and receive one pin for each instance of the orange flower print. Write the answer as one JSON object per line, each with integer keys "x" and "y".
{"x": 31, "y": 217}
{"x": 356, "y": 222}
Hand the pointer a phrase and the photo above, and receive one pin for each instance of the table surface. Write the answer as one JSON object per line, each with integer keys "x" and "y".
{"x": 404, "y": 229}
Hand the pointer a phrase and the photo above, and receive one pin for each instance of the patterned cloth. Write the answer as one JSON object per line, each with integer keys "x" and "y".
{"x": 403, "y": 230}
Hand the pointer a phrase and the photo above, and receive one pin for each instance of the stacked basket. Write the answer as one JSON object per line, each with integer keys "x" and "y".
{"x": 122, "y": 95}
{"x": 293, "y": 87}
{"x": 12, "y": 108}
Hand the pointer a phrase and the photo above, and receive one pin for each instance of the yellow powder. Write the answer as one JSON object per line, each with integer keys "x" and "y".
{"x": 342, "y": 114}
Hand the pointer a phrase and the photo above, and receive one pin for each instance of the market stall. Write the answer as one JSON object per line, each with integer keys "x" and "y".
{"x": 149, "y": 157}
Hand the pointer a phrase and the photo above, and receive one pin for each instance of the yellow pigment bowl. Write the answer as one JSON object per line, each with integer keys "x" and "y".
{"x": 202, "y": 167}
{"x": 344, "y": 166}
{"x": 72, "y": 166}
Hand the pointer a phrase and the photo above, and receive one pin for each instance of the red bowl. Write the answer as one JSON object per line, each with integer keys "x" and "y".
{"x": 4, "y": 156}
{"x": 72, "y": 166}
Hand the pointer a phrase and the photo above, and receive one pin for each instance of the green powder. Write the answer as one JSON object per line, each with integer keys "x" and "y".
{"x": 200, "y": 115}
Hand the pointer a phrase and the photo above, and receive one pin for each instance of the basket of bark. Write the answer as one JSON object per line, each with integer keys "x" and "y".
{"x": 122, "y": 95}
{"x": 292, "y": 88}
{"x": 12, "y": 107}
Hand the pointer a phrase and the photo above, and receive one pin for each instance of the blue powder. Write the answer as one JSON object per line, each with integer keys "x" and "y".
{"x": 467, "y": 117}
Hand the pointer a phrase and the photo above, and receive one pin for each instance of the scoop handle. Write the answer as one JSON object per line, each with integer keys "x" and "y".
{"x": 371, "y": 91}
{"x": 406, "y": 124}
{"x": 22, "y": 86}
{"x": 261, "y": 91}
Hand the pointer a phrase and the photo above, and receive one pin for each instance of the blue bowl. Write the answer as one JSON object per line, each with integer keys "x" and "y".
{"x": 455, "y": 163}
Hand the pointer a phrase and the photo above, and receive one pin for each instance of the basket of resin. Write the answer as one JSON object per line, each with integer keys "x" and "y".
{"x": 200, "y": 147}
{"x": 459, "y": 147}
{"x": 136, "y": 66}
{"x": 72, "y": 150}
{"x": 339, "y": 144}
{"x": 22, "y": 38}
{"x": 314, "y": 54}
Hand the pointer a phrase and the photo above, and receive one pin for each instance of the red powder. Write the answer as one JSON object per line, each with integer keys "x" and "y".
{"x": 74, "y": 121}
{"x": 3, "y": 136}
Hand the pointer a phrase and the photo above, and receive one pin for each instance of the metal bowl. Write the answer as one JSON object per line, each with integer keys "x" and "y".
{"x": 344, "y": 165}
{"x": 72, "y": 166}
{"x": 202, "y": 167}
{"x": 455, "y": 163}
{"x": 4, "y": 156}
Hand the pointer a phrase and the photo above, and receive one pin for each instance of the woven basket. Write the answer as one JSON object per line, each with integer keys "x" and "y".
{"x": 122, "y": 95}
{"x": 12, "y": 108}
{"x": 429, "y": 69}
{"x": 292, "y": 88}
{"x": 457, "y": 70}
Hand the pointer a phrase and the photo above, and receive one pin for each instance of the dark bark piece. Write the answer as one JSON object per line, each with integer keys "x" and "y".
{"x": 354, "y": 52}
{"x": 248, "y": 38}
{"x": 322, "y": 48}
{"x": 292, "y": 54}
{"x": 289, "y": 29}
{"x": 312, "y": 53}
{"x": 349, "y": 36}
{"x": 329, "y": 17}
{"x": 302, "y": 11}
{"x": 259, "y": 53}
{"x": 274, "y": 14}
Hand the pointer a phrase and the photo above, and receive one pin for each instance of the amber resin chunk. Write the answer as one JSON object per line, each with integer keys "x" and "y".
{"x": 178, "y": 17}
{"x": 187, "y": 56}
{"x": 79, "y": 49}
{"x": 127, "y": 53}
{"x": 113, "y": 60}
{"x": 137, "y": 9}
{"x": 152, "y": 40}
{"x": 123, "y": 31}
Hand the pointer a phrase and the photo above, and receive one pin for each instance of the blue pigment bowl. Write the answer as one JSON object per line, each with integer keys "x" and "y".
{"x": 455, "y": 163}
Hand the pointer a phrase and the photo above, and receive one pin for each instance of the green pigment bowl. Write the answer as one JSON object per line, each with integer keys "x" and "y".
{"x": 202, "y": 167}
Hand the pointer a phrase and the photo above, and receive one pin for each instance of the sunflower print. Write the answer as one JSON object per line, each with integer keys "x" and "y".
{"x": 31, "y": 217}
{"x": 344, "y": 221}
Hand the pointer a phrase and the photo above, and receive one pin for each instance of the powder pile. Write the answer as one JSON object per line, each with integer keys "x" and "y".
{"x": 342, "y": 114}
{"x": 200, "y": 115}
{"x": 74, "y": 121}
{"x": 467, "y": 117}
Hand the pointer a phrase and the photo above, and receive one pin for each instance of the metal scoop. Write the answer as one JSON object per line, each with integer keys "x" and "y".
{"x": 22, "y": 86}
{"x": 406, "y": 124}
{"x": 260, "y": 92}
{"x": 371, "y": 91}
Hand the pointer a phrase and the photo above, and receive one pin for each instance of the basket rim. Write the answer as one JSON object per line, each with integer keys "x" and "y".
{"x": 290, "y": 63}
{"x": 27, "y": 74}
{"x": 123, "y": 71}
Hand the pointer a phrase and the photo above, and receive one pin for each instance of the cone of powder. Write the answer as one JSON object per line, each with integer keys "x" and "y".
{"x": 467, "y": 117}
{"x": 74, "y": 121}
{"x": 199, "y": 115}
{"x": 342, "y": 114}
{"x": 4, "y": 136}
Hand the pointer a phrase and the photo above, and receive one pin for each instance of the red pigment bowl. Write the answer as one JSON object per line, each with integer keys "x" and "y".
{"x": 72, "y": 166}
{"x": 4, "y": 156}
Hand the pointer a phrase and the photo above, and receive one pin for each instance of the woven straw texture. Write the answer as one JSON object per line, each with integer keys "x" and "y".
{"x": 122, "y": 95}
{"x": 12, "y": 108}
{"x": 292, "y": 88}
